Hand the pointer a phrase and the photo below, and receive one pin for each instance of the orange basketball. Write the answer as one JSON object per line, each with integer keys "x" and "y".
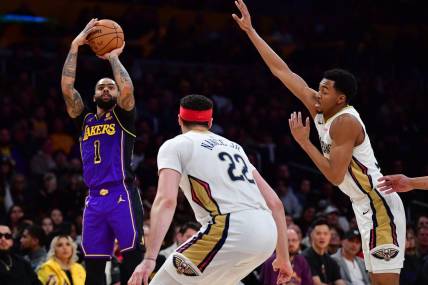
{"x": 107, "y": 36}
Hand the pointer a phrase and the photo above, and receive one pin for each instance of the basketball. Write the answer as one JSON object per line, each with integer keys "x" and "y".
{"x": 107, "y": 36}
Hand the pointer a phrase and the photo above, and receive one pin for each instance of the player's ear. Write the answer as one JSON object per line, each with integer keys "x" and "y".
{"x": 210, "y": 123}
{"x": 341, "y": 99}
{"x": 179, "y": 120}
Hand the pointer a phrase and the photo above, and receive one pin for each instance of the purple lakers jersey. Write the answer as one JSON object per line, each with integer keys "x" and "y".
{"x": 106, "y": 145}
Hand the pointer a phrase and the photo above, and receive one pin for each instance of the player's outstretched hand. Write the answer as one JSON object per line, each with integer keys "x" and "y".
{"x": 81, "y": 38}
{"x": 285, "y": 271}
{"x": 299, "y": 130}
{"x": 142, "y": 272}
{"x": 394, "y": 183}
{"x": 245, "y": 21}
{"x": 116, "y": 52}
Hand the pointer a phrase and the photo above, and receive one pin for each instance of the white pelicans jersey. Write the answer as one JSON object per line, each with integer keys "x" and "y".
{"x": 364, "y": 170}
{"x": 217, "y": 180}
{"x": 380, "y": 217}
{"x": 216, "y": 174}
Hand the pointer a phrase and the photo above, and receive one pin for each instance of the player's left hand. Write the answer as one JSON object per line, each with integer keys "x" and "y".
{"x": 299, "y": 130}
{"x": 142, "y": 272}
{"x": 285, "y": 270}
{"x": 115, "y": 52}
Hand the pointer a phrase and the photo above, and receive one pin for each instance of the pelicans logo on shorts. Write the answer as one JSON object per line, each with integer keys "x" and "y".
{"x": 385, "y": 253}
{"x": 183, "y": 267}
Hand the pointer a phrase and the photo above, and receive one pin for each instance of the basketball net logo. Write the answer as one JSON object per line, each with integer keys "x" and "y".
{"x": 385, "y": 253}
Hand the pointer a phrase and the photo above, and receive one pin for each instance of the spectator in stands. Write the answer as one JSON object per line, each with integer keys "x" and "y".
{"x": 14, "y": 269}
{"x": 43, "y": 162}
{"x": 47, "y": 225}
{"x": 307, "y": 219}
{"x": 423, "y": 272}
{"x": 335, "y": 239}
{"x": 48, "y": 196}
{"x": 61, "y": 266}
{"x": 39, "y": 126}
{"x": 18, "y": 190}
{"x": 334, "y": 218}
{"x": 15, "y": 214}
{"x": 290, "y": 201}
{"x": 352, "y": 267}
{"x": 5, "y": 143}
{"x": 57, "y": 218}
{"x": 301, "y": 270}
{"x": 32, "y": 244}
{"x": 422, "y": 221}
{"x": 412, "y": 263}
{"x": 325, "y": 269}
{"x": 305, "y": 192}
{"x": 61, "y": 140}
{"x": 184, "y": 233}
{"x": 422, "y": 241}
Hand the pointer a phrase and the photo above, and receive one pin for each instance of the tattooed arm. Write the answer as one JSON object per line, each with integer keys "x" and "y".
{"x": 73, "y": 100}
{"x": 126, "y": 97}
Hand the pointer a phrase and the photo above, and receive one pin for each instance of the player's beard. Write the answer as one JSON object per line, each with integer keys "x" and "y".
{"x": 105, "y": 105}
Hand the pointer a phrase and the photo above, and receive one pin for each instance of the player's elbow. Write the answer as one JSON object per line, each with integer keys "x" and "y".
{"x": 275, "y": 204}
{"x": 166, "y": 202}
{"x": 66, "y": 89}
{"x": 336, "y": 180}
{"x": 127, "y": 88}
{"x": 281, "y": 71}
{"x": 278, "y": 72}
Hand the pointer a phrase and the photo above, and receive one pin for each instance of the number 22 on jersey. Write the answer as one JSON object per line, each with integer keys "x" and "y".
{"x": 238, "y": 169}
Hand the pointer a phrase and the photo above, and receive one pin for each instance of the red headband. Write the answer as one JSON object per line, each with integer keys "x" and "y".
{"x": 195, "y": 116}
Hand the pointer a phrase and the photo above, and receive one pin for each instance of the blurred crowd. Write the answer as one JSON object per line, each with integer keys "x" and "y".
{"x": 40, "y": 169}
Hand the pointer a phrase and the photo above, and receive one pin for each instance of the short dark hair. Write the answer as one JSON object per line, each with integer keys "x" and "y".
{"x": 37, "y": 232}
{"x": 189, "y": 225}
{"x": 197, "y": 103}
{"x": 319, "y": 222}
{"x": 344, "y": 82}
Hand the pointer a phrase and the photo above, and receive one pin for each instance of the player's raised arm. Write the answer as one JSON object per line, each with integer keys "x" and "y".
{"x": 126, "y": 96}
{"x": 73, "y": 100}
{"x": 402, "y": 183}
{"x": 276, "y": 65}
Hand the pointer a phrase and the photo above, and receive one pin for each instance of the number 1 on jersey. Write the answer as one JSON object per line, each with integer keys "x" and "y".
{"x": 97, "y": 156}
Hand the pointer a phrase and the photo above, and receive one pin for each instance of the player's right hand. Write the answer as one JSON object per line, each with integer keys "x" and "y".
{"x": 394, "y": 183}
{"x": 81, "y": 38}
{"x": 142, "y": 272}
{"x": 245, "y": 21}
{"x": 285, "y": 270}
